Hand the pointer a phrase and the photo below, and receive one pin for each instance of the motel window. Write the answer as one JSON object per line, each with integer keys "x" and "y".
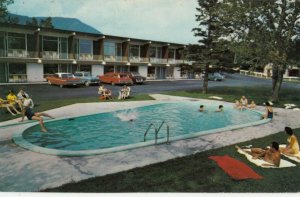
{"x": 86, "y": 46}
{"x": 134, "y": 50}
{"x": 134, "y": 68}
{"x": 50, "y": 43}
{"x": 109, "y": 48}
{"x": 16, "y": 41}
{"x": 86, "y": 68}
{"x": 50, "y": 69}
{"x": 17, "y": 72}
{"x": 119, "y": 49}
{"x": 171, "y": 54}
{"x": 63, "y": 48}
{"x": 108, "y": 69}
{"x": 121, "y": 69}
{"x": 158, "y": 52}
{"x": 2, "y": 44}
{"x": 152, "y": 52}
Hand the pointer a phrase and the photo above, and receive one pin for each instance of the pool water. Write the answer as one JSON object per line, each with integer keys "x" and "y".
{"x": 125, "y": 127}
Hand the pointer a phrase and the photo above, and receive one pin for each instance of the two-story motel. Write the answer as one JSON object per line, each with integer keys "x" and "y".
{"x": 29, "y": 54}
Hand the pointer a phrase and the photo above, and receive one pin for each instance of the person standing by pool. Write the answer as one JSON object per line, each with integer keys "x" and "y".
{"x": 244, "y": 102}
{"x": 201, "y": 109}
{"x": 269, "y": 111}
{"x": 27, "y": 111}
{"x": 293, "y": 146}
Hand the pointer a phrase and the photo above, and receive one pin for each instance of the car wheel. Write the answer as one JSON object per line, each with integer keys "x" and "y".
{"x": 86, "y": 83}
{"x": 216, "y": 79}
{"x": 61, "y": 86}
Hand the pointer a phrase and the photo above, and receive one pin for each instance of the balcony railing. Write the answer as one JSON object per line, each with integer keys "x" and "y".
{"x": 85, "y": 56}
{"x": 158, "y": 60}
{"x": 50, "y": 54}
{"x": 17, "y": 53}
{"x": 98, "y": 57}
{"x": 109, "y": 58}
{"x": 135, "y": 59}
{"x": 17, "y": 78}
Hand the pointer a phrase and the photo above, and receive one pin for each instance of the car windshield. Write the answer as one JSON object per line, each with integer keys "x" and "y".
{"x": 123, "y": 75}
{"x": 135, "y": 74}
{"x": 66, "y": 76}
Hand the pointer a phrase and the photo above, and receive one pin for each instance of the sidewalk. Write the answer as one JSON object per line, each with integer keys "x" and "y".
{"x": 23, "y": 171}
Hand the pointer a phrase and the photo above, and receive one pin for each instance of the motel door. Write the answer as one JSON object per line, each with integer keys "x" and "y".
{"x": 160, "y": 72}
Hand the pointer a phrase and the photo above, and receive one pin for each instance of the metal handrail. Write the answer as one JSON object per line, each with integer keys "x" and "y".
{"x": 168, "y": 131}
{"x": 157, "y": 130}
{"x": 149, "y": 127}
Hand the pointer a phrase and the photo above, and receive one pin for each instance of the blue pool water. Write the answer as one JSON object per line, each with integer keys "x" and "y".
{"x": 113, "y": 129}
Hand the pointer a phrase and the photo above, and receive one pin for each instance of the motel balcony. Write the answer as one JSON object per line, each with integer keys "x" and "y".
{"x": 50, "y": 54}
{"x": 158, "y": 60}
{"x": 85, "y": 56}
{"x": 20, "y": 53}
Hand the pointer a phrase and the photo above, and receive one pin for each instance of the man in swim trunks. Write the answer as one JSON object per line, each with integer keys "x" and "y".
{"x": 27, "y": 111}
{"x": 270, "y": 155}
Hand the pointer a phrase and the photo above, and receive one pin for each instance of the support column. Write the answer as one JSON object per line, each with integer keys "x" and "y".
{"x": 125, "y": 50}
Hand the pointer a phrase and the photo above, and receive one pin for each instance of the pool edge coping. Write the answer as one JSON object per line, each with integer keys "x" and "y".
{"x": 18, "y": 139}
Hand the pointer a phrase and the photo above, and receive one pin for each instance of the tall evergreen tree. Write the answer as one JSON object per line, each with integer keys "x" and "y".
{"x": 32, "y": 22}
{"x": 47, "y": 23}
{"x": 209, "y": 48}
{"x": 3, "y": 9}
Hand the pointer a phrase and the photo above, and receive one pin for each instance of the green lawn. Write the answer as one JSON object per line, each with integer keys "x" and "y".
{"x": 195, "y": 173}
{"x": 258, "y": 94}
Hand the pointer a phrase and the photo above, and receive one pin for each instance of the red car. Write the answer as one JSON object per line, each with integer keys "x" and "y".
{"x": 63, "y": 79}
{"x": 115, "y": 78}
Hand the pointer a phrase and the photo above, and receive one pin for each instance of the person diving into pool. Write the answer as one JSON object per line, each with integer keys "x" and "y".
{"x": 27, "y": 111}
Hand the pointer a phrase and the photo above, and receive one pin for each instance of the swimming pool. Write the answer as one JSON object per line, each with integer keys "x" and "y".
{"x": 124, "y": 129}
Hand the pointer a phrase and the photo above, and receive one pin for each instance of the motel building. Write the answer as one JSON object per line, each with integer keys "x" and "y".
{"x": 30, "y": 54}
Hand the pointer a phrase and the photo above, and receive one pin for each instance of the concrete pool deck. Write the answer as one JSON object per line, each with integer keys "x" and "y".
{"x": 22, "y": 170}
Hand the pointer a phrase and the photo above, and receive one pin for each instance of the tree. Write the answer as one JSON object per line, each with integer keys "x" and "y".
{"x": 47, "y": 23}
{"x": 3, "y": 9}
{"x": 266, "y": 30}
{"x": 32, "y": 22}
{"x": 209, "y": 49}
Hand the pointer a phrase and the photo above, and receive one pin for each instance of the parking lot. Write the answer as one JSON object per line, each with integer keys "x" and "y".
{"x": 44, "y": 92}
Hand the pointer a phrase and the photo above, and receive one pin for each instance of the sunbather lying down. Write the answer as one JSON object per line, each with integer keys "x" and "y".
{"x": 270, "y": 155}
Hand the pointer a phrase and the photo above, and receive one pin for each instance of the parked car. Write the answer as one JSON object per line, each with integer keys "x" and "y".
{"x": 86, "y": 78}
{"x": 115, "y": 78}
{"x": 63, "y": 79}
{"x": 215, "y": 76}
{"x": 136, "y": 77}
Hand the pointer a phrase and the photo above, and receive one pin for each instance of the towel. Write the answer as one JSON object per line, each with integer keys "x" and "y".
{"x": 235, "y": 168}
{"x": 290, "y": 157}
{"x": 260, "y": 162}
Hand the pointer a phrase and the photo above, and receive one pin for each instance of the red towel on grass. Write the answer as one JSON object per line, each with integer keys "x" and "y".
{"x": 235, "y": 168}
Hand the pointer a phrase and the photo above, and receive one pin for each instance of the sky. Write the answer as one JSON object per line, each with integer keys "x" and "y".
{"x": 157, "y": 20}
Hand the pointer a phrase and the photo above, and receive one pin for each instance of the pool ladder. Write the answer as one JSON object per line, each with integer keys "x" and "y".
{"x": 157, "y": 131}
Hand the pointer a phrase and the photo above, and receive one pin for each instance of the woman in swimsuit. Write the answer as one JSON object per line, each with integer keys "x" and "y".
{"x": 269, "y": 111}
{"x": 27, "y": 111}
{"x": 292, "y": 147}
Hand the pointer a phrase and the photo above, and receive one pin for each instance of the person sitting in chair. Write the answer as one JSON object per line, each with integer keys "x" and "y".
{"x": 104, "y": 93}
{"x": 124, "y": 92}
{"x": 8, "y": 106}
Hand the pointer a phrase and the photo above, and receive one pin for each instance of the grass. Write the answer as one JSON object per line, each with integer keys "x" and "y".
{"x": 194, "y": 173}
{"x": 52, "y": 104}
{"x": 258, "y": 94}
